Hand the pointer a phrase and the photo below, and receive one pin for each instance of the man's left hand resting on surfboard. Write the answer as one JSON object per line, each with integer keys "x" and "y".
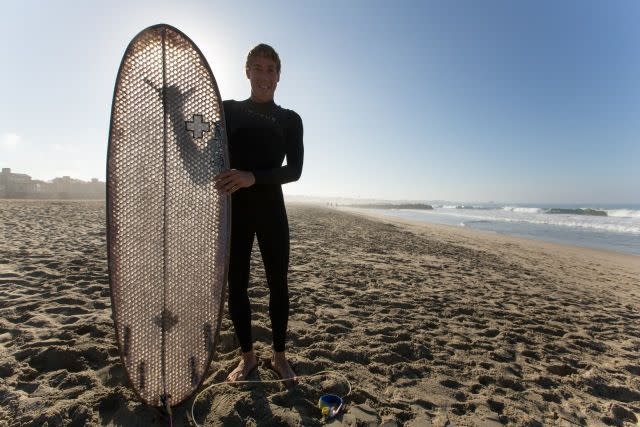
{"x": 232, "y": 180}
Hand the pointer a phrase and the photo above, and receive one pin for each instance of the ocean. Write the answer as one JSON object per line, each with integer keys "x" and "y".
{"x": 609, "y": 227}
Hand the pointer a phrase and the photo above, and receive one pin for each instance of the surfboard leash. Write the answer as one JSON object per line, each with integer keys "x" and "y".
{"x": 297, "y": 377}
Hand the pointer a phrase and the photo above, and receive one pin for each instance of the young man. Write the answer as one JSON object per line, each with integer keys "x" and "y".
{"x": 260, "y": 134}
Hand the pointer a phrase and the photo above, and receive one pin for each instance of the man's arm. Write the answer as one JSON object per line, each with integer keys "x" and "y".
{"x": 295, "y": 154}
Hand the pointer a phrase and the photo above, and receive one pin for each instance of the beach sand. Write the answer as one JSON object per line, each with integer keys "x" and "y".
{"x": 432, "y": 325}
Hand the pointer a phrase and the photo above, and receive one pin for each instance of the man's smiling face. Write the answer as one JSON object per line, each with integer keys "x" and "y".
{"x": 263, "y": 74}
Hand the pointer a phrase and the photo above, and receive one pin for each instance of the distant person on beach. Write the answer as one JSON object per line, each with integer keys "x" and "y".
{"x": 261, "y": 134}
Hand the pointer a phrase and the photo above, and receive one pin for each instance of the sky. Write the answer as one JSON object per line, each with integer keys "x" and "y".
{"x": 505, "y": 101}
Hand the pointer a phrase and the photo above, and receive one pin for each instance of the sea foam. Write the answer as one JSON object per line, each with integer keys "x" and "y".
{"x": 623, "y": 213}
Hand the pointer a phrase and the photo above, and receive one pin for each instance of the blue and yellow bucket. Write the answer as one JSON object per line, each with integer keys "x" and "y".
{"x": 330, "y": 405}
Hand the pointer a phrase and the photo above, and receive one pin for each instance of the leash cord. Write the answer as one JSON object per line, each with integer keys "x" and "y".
{"x": 297, "y": 377}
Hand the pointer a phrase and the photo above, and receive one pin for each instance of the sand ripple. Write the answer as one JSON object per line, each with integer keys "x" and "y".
{"x": 429, "y": 329}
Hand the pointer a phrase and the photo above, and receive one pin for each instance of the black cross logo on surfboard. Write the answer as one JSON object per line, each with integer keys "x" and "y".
{"x": 197, "y": 126}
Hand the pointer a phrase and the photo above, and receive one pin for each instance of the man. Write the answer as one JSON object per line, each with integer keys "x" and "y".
{"x": 261, "y": 134}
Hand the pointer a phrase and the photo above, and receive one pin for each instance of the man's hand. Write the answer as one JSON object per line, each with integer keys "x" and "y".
{"x": 232, "y": 180}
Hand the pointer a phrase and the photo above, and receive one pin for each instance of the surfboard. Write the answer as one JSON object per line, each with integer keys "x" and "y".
{"x": 168, "y": 228}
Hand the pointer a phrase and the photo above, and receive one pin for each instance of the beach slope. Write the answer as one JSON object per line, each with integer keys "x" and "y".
{"x": 432, "y": 325}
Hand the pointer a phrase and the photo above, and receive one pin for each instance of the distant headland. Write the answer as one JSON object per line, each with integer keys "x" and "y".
{"x": 22, "y": 186}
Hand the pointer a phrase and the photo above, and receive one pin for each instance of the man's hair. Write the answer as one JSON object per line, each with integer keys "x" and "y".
{"x": 266, "y": 51}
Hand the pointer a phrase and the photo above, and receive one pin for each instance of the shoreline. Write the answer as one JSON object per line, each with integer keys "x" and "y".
{"x": 626, "y": 259}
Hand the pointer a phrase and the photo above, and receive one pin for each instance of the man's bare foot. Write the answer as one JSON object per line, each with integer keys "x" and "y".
{"x": 247, "y": 365}
{"x": 280, "y": 364}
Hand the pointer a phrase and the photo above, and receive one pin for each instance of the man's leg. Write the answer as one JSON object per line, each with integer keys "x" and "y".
{"x": 273, "y": 239}
{"x": 242, "y": 233}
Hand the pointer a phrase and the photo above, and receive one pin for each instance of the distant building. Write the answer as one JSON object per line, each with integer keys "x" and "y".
{"x": 21, "y": 186}
{"x": 15, "y": 184}
{"x": 67, "y": 187}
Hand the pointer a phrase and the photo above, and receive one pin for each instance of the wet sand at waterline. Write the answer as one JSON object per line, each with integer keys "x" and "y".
{"x": 433, "y": 325}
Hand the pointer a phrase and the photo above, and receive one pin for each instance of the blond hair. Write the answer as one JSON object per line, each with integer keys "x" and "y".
{"x": 266, "y": 51}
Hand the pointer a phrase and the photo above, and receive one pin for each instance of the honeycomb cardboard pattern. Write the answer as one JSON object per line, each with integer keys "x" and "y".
{"x": 168, "y": 227}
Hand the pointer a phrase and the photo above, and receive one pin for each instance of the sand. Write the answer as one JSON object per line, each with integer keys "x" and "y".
{"x": 433, "y": 325}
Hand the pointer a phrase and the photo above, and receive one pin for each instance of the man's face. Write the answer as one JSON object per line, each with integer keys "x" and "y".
{"x": 264, "y": 78}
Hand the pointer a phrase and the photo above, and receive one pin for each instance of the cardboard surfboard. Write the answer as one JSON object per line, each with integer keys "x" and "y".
{"x": 168, "y": 227}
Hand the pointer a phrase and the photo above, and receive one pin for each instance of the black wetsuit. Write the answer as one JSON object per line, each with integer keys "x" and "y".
{"x": 260, "y": 136}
